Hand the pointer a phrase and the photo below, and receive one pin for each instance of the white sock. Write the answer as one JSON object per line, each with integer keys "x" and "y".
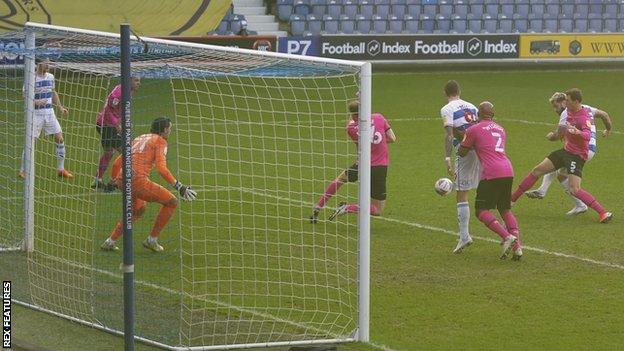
{"x": 546, "y": 181}
{"x": 60, "y": 157}
{"x": 463, "y": 218}
{"x": 110, "y": 241}
{"x": 152, "y": 240}
{"x": 577, "y": 202}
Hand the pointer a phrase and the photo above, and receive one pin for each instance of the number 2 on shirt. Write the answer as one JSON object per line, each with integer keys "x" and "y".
{"x": 499, "y": 142}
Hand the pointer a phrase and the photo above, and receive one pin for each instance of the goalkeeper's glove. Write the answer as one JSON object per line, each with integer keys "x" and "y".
{"x": 185, "y": 191}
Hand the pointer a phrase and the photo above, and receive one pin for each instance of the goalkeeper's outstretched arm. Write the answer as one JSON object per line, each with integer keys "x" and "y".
{"x": 186, "y": 192}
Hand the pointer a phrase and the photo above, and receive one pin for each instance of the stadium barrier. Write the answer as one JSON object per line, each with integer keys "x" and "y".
{"x": 254, "y": 42}
{"x": 548, "y": 46}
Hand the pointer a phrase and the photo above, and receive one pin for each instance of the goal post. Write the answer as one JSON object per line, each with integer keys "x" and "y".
{"x": 259, "y": 136}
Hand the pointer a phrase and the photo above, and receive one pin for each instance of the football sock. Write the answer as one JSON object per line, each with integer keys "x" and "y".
{"x": 116, "y": 232}
{"x": 463, "y": 218}
{"x": 590, "y": 201}
{"x": 162, "y": 219}
{"x": 104, "y": 161}
{"x": 60, "y": 157}
{"x": 353, "y": 208}
{"x": 525, "y": 185}
{"x": 546, "y": 182}
{"x": 329, "y": 192}
{"x": 136, "y": 215}
{"x": 512, "y": 227}
{"x": 487, "y": 218}
{"x": 566, "y": 187}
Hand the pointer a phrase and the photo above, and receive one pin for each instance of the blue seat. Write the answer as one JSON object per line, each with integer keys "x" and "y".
{"x": 474, "y": 24}
{"x": 302, "y": 8}
{"x": 382, "y": 10}
{"x": 314, "y": 24}
{"x": 520, "y": 23}
{"x": 476, "y": 8}
{"x": 523, "y": 8}
{"x": 284, "y": 9}
{"x": 363, "y": 25}
{"x": 430, "y": 10}
{"x": 610, "y": 25}
{"x": 236, "y": 23}
{"x": 350, "y": 8}
{"x": 347, "y": 24}
{"x": 427, "y": 24}
{"x": 505, "y": 24}
{"x": 459, "y": 24}
{"x": 491, "y": 9}
{"x": 537, "y": 6}
{"x": 507, "y": 7}
{"x": 442, "y": 24}
{"x": 414, "y": 9}
{"x": 366, "y": 8}
{"x": 489, "y": 24}
{"x": 297, "y": 25}
{"x": 460, "y": 8}
{"x": 445, "y": 8}
{"x": 567, "y": 7}
{"x": 398, "y": 10}
{"x": 595, "y": 6}
{"x": 581, "y": 22}
{"x": 553, "y": 9}
{"x": 551, "y": 23}
{"x": 536, "y": 23}
{"x": 334, "y": 8}
{"x": 411, "y": 24}
{"x": 223, "y": 27}
{"x": 380, "y": 25}
{"x": 566, "y": 24}
{"x": 319, "y": 7}
{"x": 330, "y": 24}
{"x": 610, "y": 6}
{"x": 396, "y": 24}
{"x": 581, "y": 6}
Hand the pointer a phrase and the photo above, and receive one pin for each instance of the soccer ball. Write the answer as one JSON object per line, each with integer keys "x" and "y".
{"x": 443, "y": 186}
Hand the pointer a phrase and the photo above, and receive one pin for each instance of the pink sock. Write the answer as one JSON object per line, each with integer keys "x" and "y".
{"x": 487, "y": 218}
{"x": 512, "y": 227}
{"x": 104, "y": 161}
{"x": 329, "y": 192}
{"x": 589, "y": 200}
{"x": 526, "y": 184}
{"x": 353, "y": 208}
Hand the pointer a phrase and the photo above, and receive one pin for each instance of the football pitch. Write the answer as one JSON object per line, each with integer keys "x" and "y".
{"x": 564, "y": 294}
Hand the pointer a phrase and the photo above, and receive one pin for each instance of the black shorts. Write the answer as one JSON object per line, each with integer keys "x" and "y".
{"x": 378, "y": 180}
{"x": 109, "y": 137}
{"x": 572, "y": 163}
{"x": 494, "y": 193}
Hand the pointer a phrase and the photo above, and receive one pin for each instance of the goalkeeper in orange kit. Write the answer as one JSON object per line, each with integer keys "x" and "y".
{"x": 149, "y": 150}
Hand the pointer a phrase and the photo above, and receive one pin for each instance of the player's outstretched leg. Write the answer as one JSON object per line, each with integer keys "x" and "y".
{"x": 579, "y": 206}
{"x": 164, "y": 215}
{"x": 486, "y": 217}
{"x": 102, "y": 166}
{"x": 110, "y": 244}
{"x": 344, "y": 208}
{"x": 463, "y": 219}
{"x": 331, "y": 190}
{"x": 525, "y": 184}
{"x": 540, "y": 192}
{"x": 589, "y": 200}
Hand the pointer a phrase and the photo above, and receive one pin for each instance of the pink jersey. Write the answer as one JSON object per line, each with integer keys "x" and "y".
{"x": 488, "y": 140}
{"x": 578, "y": 144}
{"x": 379, "y": 144}
{"x": 110, "y": 115}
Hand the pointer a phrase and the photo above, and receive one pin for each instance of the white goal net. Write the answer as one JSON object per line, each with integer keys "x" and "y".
{"x": 259, "y": 136}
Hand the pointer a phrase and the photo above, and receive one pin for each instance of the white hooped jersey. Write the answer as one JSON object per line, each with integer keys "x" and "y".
{"x": 44, "y": 88}
{"x": 592, "y": 111}
{"x": 459, "y": 114}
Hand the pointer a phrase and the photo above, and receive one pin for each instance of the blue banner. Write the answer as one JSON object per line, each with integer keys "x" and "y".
{"x": 7, "y": 49}
{"x": 307, "y": 46}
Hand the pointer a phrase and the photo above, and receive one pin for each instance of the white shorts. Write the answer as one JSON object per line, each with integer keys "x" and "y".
{"x": 45, "y": 120}
{"x": 468, "y": 169}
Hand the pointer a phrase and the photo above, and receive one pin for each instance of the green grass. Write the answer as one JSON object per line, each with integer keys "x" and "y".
{"x": 422, "y": 297}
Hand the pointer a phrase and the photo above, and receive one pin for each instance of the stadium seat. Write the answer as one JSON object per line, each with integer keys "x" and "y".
{"x": 537, "y": 6}
{"x": 459, "y": 24}
{"x": 553, "y": 9}
{"x": 430, "y": 10}
{"x": 595, "y": 6}
{"x": 396, "y": 24}
{"x": 490, "y": 24}
{"x": 350, "y": 8}
{"x": 223, "y": 27}
{"x": 319, "y": 7}
{"x": 536, "y": 23}
{"x": 610, "y": 6}
{"x": 523, "y": 8}
{"x": 442, "y": 24}
{"x": 445, "y": 8}
{"x": 347, "y": 24}
{"x": 302, "y": 8}
{"x": 414, "y": 9}
{"x": 566, "y": 24}
{"x": 366, "y": 8}
{"x": 581, "y": 23}
{"x": 411, "y": 24}
{"x": 476, "y": 8}
{"x": 363, "y": 25}
{"x": 567, "y": 7}
{"x": 334, "y": 8}
{"x": 427, "y": 24}
{"x": 491, "y": 9}
{"x": 297, "y": 25}
{"x": 380, "y": 25}
{"x": 551, "y": 23}
{"x": 520, "y": 23}
{"x": 474, "y": 24}
{"x": 314, "y": 24}
{"x": 236, "y": 23}
{"x": 460, "y": 8}
{"x": 507, "y": 7}
{"x": 505, "y": 24}
{"x": 284, "y": 9}
{"x": 620, "y": 23}
{"x": 383, "y": 10}
{"x": 581, "y": 6}
{"x": 330, "y": 24}
{"x": 609, "y": 23}
{"x": 398, "y": 9}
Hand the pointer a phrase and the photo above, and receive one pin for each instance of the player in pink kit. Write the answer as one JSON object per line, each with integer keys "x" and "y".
{"x": 494, "y": 191}
{"x": 108, "y": 125}
{"x": 382, "y": 134}
{"x": 572, "y": 157}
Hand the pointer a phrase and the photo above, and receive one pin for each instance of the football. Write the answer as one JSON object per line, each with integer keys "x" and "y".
{"x": 443, "y": 186}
